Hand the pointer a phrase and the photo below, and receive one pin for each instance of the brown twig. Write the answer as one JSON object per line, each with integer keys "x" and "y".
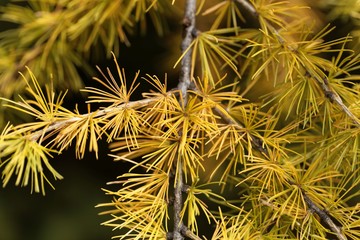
{"x": 188, "y": 30}
{"x": 186, "y": 233}
{"x": 178, "y": 204}
{"x": 56, "y": 125}
{"x": 189, "y": 234}
{"x": 324, "y": 216}
{"x": 256, "y": 142}
{"x": 183, "y": 86}
{"x": 274, "y": 207}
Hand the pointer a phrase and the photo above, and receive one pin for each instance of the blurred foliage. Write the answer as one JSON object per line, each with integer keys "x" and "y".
{"x": 54, "y": 38}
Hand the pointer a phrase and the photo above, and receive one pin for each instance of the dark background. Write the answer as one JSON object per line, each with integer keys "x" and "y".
{"x": 68, "y": 212}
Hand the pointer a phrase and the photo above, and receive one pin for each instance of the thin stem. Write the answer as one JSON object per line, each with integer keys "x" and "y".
{"x": 256, "y": 142}
{"x": 189, "y": 29}
{"x": 56, "y": 125}
{"x": 334, "y": 97}
{"x": 189, "y": 234}
{"x": 323, "y": 216}
{"x": 274, "y": 207}
{"x": 178, "y": 204}
{"x": 183, "y": 86}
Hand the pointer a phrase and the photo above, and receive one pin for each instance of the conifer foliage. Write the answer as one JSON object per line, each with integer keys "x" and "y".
{"x": 263, "y": 124}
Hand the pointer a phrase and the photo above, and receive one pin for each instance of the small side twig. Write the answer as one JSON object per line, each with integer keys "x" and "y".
{"x": 256, "y": 142}
{"x": 189, "y": 234}
{"x": 59, "y": 124}
{"x": 186, "y": 233}
{"x": 324, "y": 217}
{"x": 334, "y": 97}
{"x": 274, "y": 207}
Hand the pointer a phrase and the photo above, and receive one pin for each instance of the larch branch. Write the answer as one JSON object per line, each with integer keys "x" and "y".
{"x": 328, "y": 92}
{"x": 56, "y": 125}
{"x": 178, "y": 204}
{"x": 333, "y": 97}
{"x": 188, "y": 32}
{"x": 256, "y": 142}
{"x": 324, "y": 217}
{"x": 183, "y": 86}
